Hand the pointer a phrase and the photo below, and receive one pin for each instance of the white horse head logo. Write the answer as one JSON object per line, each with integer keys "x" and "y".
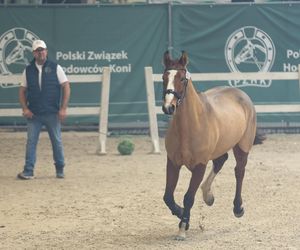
{"x": 15, "y": 51}
{"x": 249, "y": 49}
{"x": 17, "y": 55}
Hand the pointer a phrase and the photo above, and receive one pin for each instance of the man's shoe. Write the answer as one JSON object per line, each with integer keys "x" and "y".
{"x": 60, "y": 175}
{"x": 22, "y": 176}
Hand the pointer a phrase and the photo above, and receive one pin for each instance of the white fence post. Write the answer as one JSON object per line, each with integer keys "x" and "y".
{"x": 151, "y": 109}
{"x": 103, "y": 116}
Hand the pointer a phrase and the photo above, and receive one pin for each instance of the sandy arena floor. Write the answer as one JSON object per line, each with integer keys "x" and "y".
{"x": 115, "y": 202}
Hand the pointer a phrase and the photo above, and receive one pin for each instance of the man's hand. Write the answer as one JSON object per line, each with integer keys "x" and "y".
{"x": 65, "y": 99}
{"x": 62, "y": 114}
{"x": 27, "y": 113}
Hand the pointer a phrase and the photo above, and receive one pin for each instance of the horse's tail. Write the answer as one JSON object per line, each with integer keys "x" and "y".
{"x": 259, "y": 138}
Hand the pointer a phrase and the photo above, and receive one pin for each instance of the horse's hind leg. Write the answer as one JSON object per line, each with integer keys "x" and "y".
{"x": 218, "y": 163}
{"x": 171, "y": 183}
{"x": 241, "y": 162}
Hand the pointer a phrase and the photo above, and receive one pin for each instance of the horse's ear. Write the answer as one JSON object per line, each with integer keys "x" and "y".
{"x": 166, "y": 59}
{"x": 184, "y": 60}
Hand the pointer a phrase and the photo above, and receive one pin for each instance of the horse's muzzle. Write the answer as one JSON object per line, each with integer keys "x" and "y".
{"x": 169, "y": 109}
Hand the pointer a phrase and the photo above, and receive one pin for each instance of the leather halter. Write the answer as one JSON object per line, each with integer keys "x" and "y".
{"x": 176, "y": 94}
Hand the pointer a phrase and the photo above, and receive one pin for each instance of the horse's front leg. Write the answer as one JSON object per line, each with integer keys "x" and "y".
{"x": 189, "y": 198}
{"x": 171, "y": 183}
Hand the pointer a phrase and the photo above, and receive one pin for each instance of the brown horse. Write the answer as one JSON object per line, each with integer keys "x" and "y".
{"x": 204, "y": 126}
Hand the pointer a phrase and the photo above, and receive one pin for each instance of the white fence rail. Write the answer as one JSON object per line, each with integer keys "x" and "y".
{"x": 101, "y": 111}
{"x": 153, "y": 110}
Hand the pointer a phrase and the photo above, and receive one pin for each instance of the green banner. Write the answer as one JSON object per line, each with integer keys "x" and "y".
{"x": 83, "y": 40}
{"x": 243, "y": 38}
{"x": 218, "y": 38}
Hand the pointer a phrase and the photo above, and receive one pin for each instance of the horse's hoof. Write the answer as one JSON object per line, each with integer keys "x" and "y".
{"x": 238, "y": 212}
{"x": 208, "y": 198}
{"x": 183, "y": 226}
{"x": 209, "y": 201}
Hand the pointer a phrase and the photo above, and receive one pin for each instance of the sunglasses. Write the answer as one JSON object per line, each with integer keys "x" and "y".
{"x": 40, "y": 49}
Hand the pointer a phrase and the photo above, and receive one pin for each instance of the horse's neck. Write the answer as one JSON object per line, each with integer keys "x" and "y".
{"x": 189, "y": 118}
{"x": 191, "y": 109}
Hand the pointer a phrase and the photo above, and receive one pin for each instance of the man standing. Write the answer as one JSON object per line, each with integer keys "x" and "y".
{"x": 44, "y": 94}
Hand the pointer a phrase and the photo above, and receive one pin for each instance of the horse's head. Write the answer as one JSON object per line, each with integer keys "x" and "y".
{"x": 174, "y": 82}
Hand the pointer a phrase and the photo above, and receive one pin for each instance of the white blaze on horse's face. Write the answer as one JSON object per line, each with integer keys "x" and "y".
{"x": 170, "y": 85}
{"x": 169, "y": 97}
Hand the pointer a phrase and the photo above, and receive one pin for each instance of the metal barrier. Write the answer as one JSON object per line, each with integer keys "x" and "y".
{"x": 101, "y": 111}
{"x": 153, "y": 110}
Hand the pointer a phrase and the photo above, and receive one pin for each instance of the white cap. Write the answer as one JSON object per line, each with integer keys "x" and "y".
{"x": 38, "y": 44}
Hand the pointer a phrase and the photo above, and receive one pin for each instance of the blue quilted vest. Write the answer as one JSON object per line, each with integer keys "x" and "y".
{"x": 47, "y": 99}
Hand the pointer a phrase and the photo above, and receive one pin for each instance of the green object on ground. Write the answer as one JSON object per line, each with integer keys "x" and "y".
{"x": 126, "y": 147}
